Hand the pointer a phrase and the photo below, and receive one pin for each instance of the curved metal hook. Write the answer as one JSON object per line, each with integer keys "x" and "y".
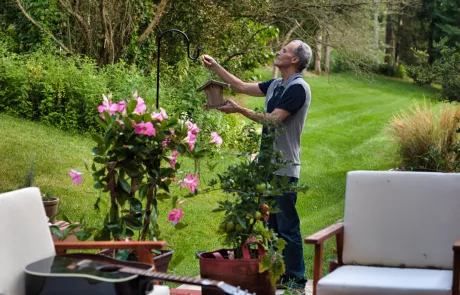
{"x": 158, "y": 56}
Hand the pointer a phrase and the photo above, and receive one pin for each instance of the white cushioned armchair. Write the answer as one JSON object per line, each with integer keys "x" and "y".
{"x": 26, "y": 238}
{"x": 400, "y": 235}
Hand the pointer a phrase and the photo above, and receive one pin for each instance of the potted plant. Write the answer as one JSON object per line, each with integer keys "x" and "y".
{"x": 136, "y": 161}
{"x": 51, "y": 205}
{"x": 254, "y": 260}
{"x": 49, "y": 202}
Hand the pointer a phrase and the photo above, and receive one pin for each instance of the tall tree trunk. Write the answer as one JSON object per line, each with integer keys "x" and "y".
{"x": 398, "y": 40}
{"x": 319, "y": 47}
{"x": 376, "y": 30}
{"x": 389, "y": 39}
{"x": 430, "y": 38}
{"x": 327, "y": 51}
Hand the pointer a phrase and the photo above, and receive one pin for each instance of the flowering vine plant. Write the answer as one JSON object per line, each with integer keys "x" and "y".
{"x": 137, "y": 161}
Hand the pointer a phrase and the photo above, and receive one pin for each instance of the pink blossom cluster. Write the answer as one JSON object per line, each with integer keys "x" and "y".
{"x": 175, "y": 215}
{"x": 190, "y": 181}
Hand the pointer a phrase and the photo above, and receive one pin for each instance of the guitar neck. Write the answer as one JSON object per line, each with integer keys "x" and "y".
{"x": 172, "y": 278}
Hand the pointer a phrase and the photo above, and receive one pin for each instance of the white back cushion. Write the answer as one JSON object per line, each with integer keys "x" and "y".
{"x": 409, "y": 219}
{"x": 25, "y": 237}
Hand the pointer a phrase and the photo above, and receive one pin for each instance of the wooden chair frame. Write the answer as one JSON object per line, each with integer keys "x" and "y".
{"x": 142, "y": 248}
{"x": 317, "y": 239}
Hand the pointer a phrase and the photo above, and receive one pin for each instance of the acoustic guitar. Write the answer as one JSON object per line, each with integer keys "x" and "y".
{"x": 88, "y": 274}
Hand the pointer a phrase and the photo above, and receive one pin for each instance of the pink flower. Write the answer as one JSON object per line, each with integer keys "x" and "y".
{"x": 165, "y": 142}
{"x": 140, "y": 107}
{"x": 122, "y": 107}
{"x": 76, "y": 176}
{"x": 108, "y": 106}
{"x": 160, "y": 116}
{"x": 173, "y": 159}
{"x": 175, "y": 215}
{"x": 216, "y": 138}
{"x": 145, "y": 128}
{"x": 192, "y": 128}
{"x": 191, "y": 181}
{"x": 190, "y": 139}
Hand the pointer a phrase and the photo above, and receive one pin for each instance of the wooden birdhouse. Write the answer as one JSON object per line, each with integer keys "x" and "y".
{"x": 214, "y": 93}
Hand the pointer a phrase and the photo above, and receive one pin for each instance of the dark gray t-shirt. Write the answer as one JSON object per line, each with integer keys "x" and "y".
{"x": 294, "y": 97}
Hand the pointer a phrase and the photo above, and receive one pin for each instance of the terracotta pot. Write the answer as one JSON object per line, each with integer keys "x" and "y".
{"x": 162, "y": 261}
{"x": 243, "y": 273}
{"x": 51, "y": 208}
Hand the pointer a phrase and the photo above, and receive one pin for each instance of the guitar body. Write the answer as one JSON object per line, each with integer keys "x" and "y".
{"x": 87, "y": 274}
{"x": 59, "y": 275}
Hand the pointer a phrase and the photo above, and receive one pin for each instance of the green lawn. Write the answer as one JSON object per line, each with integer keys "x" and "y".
{"x": 344, "y": 131}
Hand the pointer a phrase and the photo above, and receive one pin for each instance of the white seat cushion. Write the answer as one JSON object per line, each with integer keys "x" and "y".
{"x": 395, "y": 218}
{"x": 352, "y": 279}
{"x": 25, "y": 237}
{"x": 160, "y": 290}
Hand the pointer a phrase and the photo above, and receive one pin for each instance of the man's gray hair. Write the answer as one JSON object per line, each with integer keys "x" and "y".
{"x": 304, "y": 53}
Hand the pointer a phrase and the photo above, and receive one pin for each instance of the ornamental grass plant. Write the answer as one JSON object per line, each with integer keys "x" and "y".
{"x": 427, "y": 137}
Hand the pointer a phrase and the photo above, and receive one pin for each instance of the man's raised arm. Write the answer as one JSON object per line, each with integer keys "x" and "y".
{"x": 236, "y": 84}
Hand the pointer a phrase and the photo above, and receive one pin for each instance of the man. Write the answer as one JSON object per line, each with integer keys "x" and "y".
{"x": 287, "y": 102}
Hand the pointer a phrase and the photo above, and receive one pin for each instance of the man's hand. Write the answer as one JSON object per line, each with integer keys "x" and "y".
{"x": 208, "y": 61}
{"x": 230, "y": 107}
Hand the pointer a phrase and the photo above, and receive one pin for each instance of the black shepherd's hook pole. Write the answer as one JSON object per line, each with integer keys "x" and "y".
{"x": 158, "y": 57}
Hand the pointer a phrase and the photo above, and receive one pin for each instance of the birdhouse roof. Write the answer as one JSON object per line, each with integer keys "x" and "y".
{"x": 213, "y": 82}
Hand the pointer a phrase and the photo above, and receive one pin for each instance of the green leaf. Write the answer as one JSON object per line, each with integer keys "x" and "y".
{"x": 97, "y": 138}
{"x": 100, "y": 172}
{"x": 131, "y": 106}
{"x": 166, "y": 172}
{"x": 57, "y": 231}
{"x": 143, "y": 191}
{"x": 241, "y": 221}
{"x": 98, "y": 185}
{"x": 69, "y": 229}
{"x": 82, "y": 235}
{"x": 132, "y": 222}
{"x": 65, "y": 218}
{"x": 135, "y": 205}
{"x": 124, "y": 185}
{"x": 281, "y": 243}
{"x": 115, "y": 228}
{"x": 101, "y": 122}
{"x": 99, "y": 160}
{"x": 128, "y": 125}
{"x": 107, "y": 117}
{"x": 122, "y": 254}
{"x": 103, "y": 235}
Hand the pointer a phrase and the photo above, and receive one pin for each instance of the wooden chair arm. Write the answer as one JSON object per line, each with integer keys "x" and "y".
{"x": 324, "y": 234}
{"x": 142, "y": 248}
{"x": 457, "y": 245}
{"x": 317, "y": 239}
{"x": 456, "y": 269}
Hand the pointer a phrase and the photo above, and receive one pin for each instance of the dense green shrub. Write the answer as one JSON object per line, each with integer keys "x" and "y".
{"x": 64, "y": 91}
{"x": 449, "y": 71}
{"x": 422, "y": 72}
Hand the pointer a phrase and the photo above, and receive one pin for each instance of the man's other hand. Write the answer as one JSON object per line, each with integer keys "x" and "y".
{"x": 230, "y": 107}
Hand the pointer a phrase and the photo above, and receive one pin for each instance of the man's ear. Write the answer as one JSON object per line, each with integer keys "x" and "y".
{"x": 295, "y": 59}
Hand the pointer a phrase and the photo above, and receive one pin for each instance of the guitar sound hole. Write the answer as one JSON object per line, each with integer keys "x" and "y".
{"x": 109, "y": 268}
